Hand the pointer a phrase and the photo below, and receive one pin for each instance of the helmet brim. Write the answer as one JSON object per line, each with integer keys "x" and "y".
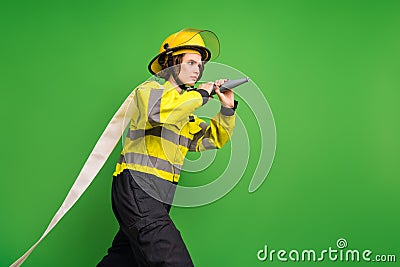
{"x": 156, "y": 63}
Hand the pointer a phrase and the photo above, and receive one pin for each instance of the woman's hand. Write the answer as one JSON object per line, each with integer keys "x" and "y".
{"x": 207, "y": 86}
{"x": 227, "y": 97}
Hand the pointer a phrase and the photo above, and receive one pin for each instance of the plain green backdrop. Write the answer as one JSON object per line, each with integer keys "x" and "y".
{"x": 329, "y": 70}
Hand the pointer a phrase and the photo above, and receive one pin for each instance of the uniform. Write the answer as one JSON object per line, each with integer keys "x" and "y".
{"x": 162, "y": 130}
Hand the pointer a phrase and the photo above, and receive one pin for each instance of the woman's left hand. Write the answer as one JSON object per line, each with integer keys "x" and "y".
{"x": 227, "y": 97}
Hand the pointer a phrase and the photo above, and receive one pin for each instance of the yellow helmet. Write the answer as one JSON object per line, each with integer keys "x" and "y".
{"x": 188, "y": 40}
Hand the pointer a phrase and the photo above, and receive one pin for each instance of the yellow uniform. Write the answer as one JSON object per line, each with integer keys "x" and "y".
{"x": 163, "y": 129}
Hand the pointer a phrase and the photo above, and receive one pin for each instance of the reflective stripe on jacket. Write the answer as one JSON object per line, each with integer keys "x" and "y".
{"x": 163, "y": 129}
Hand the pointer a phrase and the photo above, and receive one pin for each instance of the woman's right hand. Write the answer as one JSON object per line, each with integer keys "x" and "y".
{"x": 207, "y": 86}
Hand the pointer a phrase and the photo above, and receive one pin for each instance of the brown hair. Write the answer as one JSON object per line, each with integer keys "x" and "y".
{"x": 166, "y": 71}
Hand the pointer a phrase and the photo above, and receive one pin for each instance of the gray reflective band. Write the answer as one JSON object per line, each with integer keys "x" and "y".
{"x": 207, "y": 134}
{"x": 203, "y": 126}
{"x": 197, "y": 136}
{"x": 207, "y": 145}
{"x": 160, "y": 132}
{"x": 193, "y": 144}
{"x": 154, "y": 105}
{"x": 153, "y": 162}
{"x": 139, "y": 113}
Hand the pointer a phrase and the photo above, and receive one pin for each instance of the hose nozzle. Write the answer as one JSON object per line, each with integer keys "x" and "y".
{"x": 230, "y": 84}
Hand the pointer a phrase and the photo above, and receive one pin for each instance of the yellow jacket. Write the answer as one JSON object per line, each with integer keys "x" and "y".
{"x": 163, "y": 129}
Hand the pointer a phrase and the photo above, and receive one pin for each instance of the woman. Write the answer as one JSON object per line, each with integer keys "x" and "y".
{"x": 162, "y": 130}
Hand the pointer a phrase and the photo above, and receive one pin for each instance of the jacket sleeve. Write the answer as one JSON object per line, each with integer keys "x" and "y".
{"x": 168, "y": 106}
{"x": 216, "y": 134}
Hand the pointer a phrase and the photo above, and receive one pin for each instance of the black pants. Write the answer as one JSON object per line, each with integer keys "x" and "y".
{"x": 147, "y": 235}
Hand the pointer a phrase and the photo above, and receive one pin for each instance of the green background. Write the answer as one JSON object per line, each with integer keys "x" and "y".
{"x": 329, "y": 69}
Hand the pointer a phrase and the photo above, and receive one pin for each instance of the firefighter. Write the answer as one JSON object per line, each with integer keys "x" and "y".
{"x": 162, "y": 130}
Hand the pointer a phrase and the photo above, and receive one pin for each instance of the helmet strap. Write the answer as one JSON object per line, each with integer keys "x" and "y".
{"x": 170, "y": 64}
{"x": 179, "y": 82}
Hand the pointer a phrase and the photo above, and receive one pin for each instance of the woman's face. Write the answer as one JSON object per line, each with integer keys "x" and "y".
{"x": 190, "y": 68}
